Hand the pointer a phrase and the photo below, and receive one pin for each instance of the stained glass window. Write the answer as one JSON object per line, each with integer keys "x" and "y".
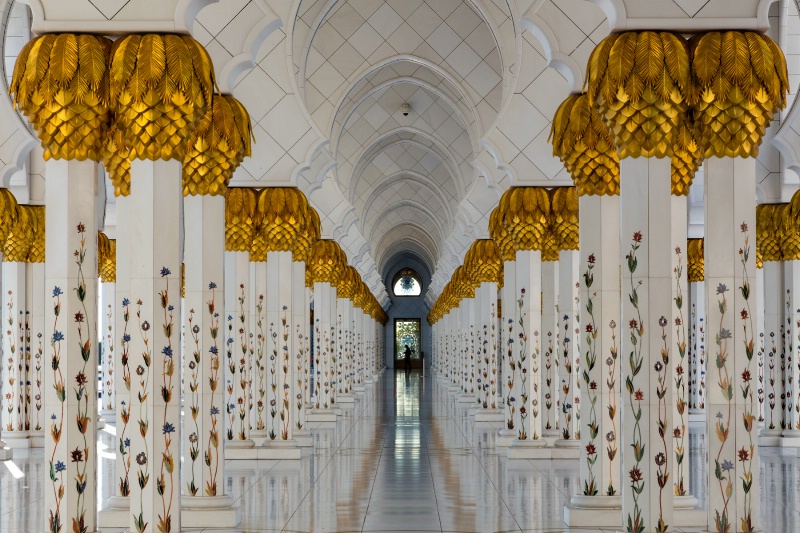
{"x": 407, "y": 283}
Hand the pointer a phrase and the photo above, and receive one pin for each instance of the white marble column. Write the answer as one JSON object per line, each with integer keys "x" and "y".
{"x": 324, "y": 379}
{"x": 155, "y": 205}
{"x": 599, "y": 502}
{"x": 14, "y": 374}
{"x": 550, "y": 349}
{"x": 730, "y": 269}
{"x": 344, "y": 315}
{"x": 116, "y": 512}
{"x": 70, "y": 376}
{"x": 281, "y": 347}
{"x": 358, "y": 349}
{"x": 791, "y": 280}
{"x": 528, "y": 352}
{"x": 204, "y": 501}
{"x": 37, "y": 300}
{"x": 774, "y": 362}
{"x": 568, "y": 349}
{"x": 486, "y": 295}
{"x": 647, "y": 343}
{"x": 237, "y": 377}
{"x": 698, "y": 361}
{"x": 300, "y": 353}
{"x": 109, "y": 405}
{"x": 260, "y": 364}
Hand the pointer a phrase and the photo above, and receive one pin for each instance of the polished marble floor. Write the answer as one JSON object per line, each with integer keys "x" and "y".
{"x": 404, "y": 458}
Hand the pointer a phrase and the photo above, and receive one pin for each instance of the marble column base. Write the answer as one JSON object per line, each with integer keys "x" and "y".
{"x": 465, "y": 398}
{"x": 369, "y": 381}
{"x": 606, "y": 512}
{"x": 259, "y": 436}
{"x": 505, "y": 437}
{"x": 321, "y": 415}
{"x": 489, "y": 415}
{"x": 37, "y": 439}
{"x": 790, "y": 438}
{"x": 567, "y": 443}
{"x": 303, "y": 438}
{"x": 6, "y": 454}
{"x": 359, "y": 388}
{"x": 271, "y": 449}
{"x": 116, "y": 513}
{"x": 345, "y": 399}
{"x": 216, "y": 512}
{"x": 697, "y": 415}
{"x": 17, "y": 439}
{"x": 594, "y": 511}
{"x": 538, "y": 449}
{"x": 770, "y": 437}
{"x": 454, "y": 389}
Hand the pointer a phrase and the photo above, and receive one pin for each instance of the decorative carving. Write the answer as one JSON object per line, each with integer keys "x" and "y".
{"x": 240, "y": 219}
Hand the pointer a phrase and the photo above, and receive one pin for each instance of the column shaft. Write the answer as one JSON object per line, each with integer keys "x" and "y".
{"x": 528, "y": 351}
{"x": 70, "y": 378}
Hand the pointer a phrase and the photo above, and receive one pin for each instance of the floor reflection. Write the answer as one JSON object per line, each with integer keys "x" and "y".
{"x": 405, "y": 457}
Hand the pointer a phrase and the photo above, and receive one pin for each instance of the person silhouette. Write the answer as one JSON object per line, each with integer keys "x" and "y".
{"x": 408, "y": 358}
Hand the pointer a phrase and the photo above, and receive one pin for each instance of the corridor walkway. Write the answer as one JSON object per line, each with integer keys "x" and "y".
{"x": 406, "y": 458}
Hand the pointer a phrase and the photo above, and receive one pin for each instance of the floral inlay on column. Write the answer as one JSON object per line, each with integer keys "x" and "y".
{"x": 109, "y": 353}
{"x": 522, "y": 357}
{"x": 125, "y": 410}
{"x": 634, "y": 520}
{"x": 679, "y": 433}
{"x": 285, "y": 386}
{"x": 590, "y": 360}
{"x": 261, "y": 368}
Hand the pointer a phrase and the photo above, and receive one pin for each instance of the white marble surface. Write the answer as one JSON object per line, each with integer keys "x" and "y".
{"x": 406, "y": 459}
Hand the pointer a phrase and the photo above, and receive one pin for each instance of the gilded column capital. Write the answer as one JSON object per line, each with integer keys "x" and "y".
{"x": 498, "y": 232}
{"x": 348, "y": 283}
{"x": 20, "y": 239}
{"x": 770, "y": 231}
{"x": 463, "y": 287}
{"x": 526, "y": 219}
{"x": 61, "y": 84}
{"x": 216, "y": 147}
{"x": 741, "y": 81}
{"x": 641, "y": 84}
{"x": 695, "y": 260}
{"x": 106, "y": 258}
{"x": 36, "y": 254}
{"x": 307, "y": 236}
{"x": 483, "y": 262}
{"x": 115, "y": 161}
{"x": 584, "y": 144}
{"x": 160, "y": 88}
{"x": 8, "y": 213}
{"x": 283, "y": 215}
{"x": 327, "y": 261}
{"x": 564, "y": 217}
{"x": 240, "y": 219}
{"x": 686, "y": 158}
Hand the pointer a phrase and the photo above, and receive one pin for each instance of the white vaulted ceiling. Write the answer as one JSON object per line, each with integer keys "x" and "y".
{"x": 357, "y": 62}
